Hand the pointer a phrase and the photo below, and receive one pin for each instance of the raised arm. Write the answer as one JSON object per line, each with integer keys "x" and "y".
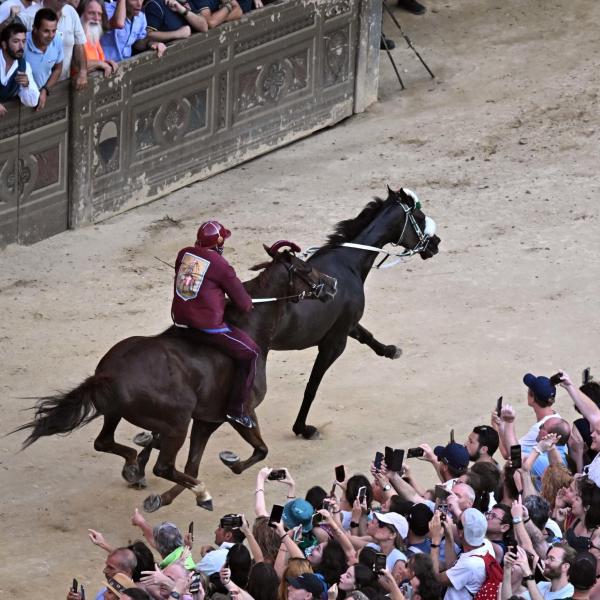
{"x": 117, "y": 21}
{"x": 585, "y": 405}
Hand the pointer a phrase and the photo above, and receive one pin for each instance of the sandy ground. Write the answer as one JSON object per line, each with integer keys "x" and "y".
{"x": 503, "y": 150}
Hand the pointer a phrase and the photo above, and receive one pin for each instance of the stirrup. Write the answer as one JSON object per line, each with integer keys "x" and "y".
{"x": 243, "y": 420}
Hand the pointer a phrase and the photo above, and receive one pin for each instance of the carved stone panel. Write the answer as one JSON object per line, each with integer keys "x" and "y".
{"x": 336, "y": 60}
{"x": 107, "y": 145}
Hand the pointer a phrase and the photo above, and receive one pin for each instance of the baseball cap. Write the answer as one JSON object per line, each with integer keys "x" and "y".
{"x": 298, "y": 512}
{"x": 118, "y": 583}
{"x": 540, "y": 387}
{"x": 309, "y": 582}
{"x": 474, "y": 526}
{"x": 456, "y": 455}
{"x": 399, "y": 522}
{"x": 418, "y": 518}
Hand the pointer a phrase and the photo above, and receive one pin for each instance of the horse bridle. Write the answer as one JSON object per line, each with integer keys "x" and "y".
{"x": 316, "y": 290}
{"x": 423, "y": 237}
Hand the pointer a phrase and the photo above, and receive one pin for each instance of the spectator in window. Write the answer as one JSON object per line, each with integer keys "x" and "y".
{"x": 164, "y": 24}
{"x": 11, "y": 9}
{"x": 95, "y": 22}
{"x": 73, "y": 39}
{"x": 44, "y": 53}
{"x": 127, "y": 31}
{"x": 216, "y": 11}
{"x": 16, "y": 78}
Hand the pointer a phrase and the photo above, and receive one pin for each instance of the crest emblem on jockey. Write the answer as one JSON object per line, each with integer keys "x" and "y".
{"x": 190, "y": 276}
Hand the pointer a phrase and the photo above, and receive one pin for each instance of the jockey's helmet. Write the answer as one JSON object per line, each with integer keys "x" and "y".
{"x": 211, "y": 234}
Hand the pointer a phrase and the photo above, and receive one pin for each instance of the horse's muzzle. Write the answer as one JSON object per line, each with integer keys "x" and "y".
{"x": 432, "y": 248}
{"x": 326, "y": 288}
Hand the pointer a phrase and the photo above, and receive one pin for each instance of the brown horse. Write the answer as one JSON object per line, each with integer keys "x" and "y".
{"x": 160, "y": 383}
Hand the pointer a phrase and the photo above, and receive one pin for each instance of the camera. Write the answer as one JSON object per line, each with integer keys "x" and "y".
{"x": 231, "y": 521}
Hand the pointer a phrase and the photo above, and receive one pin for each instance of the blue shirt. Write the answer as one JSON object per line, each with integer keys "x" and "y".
{"x": 117, "y": 43}
{"x": 542, "y": 463}
{"x": 42, "y": 62}
{"x": 161, "y": 18}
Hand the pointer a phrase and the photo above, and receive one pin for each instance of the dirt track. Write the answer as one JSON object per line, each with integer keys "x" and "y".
{"x": 502, "y": 148}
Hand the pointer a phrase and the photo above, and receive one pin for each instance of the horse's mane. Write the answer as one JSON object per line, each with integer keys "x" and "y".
{"x": 346, "y": 231}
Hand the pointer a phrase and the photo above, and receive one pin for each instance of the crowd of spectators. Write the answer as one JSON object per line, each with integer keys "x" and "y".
{"x": 501, "y": 518}
{"x": 52, "y": 40}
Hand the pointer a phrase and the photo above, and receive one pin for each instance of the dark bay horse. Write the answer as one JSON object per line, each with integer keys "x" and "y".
{"x": 397, "y": 220}
{"x": 160, "y": 383}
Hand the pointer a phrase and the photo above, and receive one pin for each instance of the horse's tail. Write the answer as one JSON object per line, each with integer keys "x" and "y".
{"x": 63, "y": 413}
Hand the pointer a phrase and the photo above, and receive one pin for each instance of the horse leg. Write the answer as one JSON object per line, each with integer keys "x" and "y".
{"x": 330, "y": 350}
{"x": 165, "y": 468}
{"x": 105, "y": 442}
{"x": 201, "y": 432}
{"x": 142, "y": 460}
{"x": 254, "y": 438}
{"x": 363, "y": 336}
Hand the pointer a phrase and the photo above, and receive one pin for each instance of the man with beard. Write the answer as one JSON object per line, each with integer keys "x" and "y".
{"x": 71, "y": 32}
{"x": 127, "y": 31}
{"x": 44, "y": 52}
{"x": 557, "y": 568}
{"x": 481, "y": 444}
{"x": 95, "y": 23}
{"x": 16, "y": 78}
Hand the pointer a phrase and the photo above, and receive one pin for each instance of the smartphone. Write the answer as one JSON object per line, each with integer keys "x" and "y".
{"x": 585, "y": 376}
{"x": 276, "y": 514}
{"x": 556, "y": 378}
{"x": 441, "y": 493}
{"x": 389, "y": 452}
{"x": 340, "y": 473}
{"x": 362, "y": 494}
{"x": 415, "y": 452}
{"x": 191, "y": 529}
{"x": 380, "y": 562}
{"x": 452, "y": 436}
{"x": 515, "y": 456}
{"x": 277, "y": 475}
{"x": 74, "y": 585}
{"x": 82, "y": 592}
{"x": 317, "y": 520}
{"x": 378, "y": 460}
{"x": 499, "y": 406}
{"x": 396, "y": 462}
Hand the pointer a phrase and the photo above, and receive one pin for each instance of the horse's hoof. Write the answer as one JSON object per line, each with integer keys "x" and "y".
{"x": 143, "y": 439}
{"x": 139, "y": 485}
{"x": 131, "y": 473}
{"x": 308, "y": 432}
{"x": 392, "y": 352}
{"x": 206, "y": 504}
{"x": 152, "y": 503}
{"x": 229, "y": 458}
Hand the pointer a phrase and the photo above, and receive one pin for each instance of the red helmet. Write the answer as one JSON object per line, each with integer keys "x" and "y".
{"x": 211, "y": 233}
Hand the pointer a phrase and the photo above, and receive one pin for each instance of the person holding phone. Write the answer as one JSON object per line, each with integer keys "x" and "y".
{"x": 227, "y": 534}
{"x": 16, "y": 78}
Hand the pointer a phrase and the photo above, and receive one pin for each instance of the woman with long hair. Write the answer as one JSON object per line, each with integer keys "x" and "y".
{"x": 295, "y": 567}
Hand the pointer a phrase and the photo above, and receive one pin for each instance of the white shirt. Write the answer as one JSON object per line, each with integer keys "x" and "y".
{"x": 8, "y": 4}
{"x": 69, "y": 28}
{"x": 467, "y": 575}
{"x": 566, "y": 592}
{"x": 213, "y": 561}
{"x": 593, "y": 470}
{"x": 29, "y": 95}
{"x": 529, "y": 440}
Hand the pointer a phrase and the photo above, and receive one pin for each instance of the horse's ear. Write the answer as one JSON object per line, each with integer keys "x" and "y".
{"x": 410, "y": 198}
{"x": 267, "y": 249}
{"x": 260, "y": 266}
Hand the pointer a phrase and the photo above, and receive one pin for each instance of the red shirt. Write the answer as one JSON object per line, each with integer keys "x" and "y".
{"x": 202, "y": 278}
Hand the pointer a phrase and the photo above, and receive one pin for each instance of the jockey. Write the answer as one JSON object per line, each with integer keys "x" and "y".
{"x": 202, "y": 278}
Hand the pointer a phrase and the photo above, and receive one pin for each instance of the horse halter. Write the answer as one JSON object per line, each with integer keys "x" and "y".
{"x": 423, "y": 236}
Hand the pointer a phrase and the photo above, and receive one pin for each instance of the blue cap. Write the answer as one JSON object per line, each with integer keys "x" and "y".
{"x": 541, "y": 388}
{"x": 298, "y": 512}
{"x": 456, "y": 455}
{"x": 311, "y": 582}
